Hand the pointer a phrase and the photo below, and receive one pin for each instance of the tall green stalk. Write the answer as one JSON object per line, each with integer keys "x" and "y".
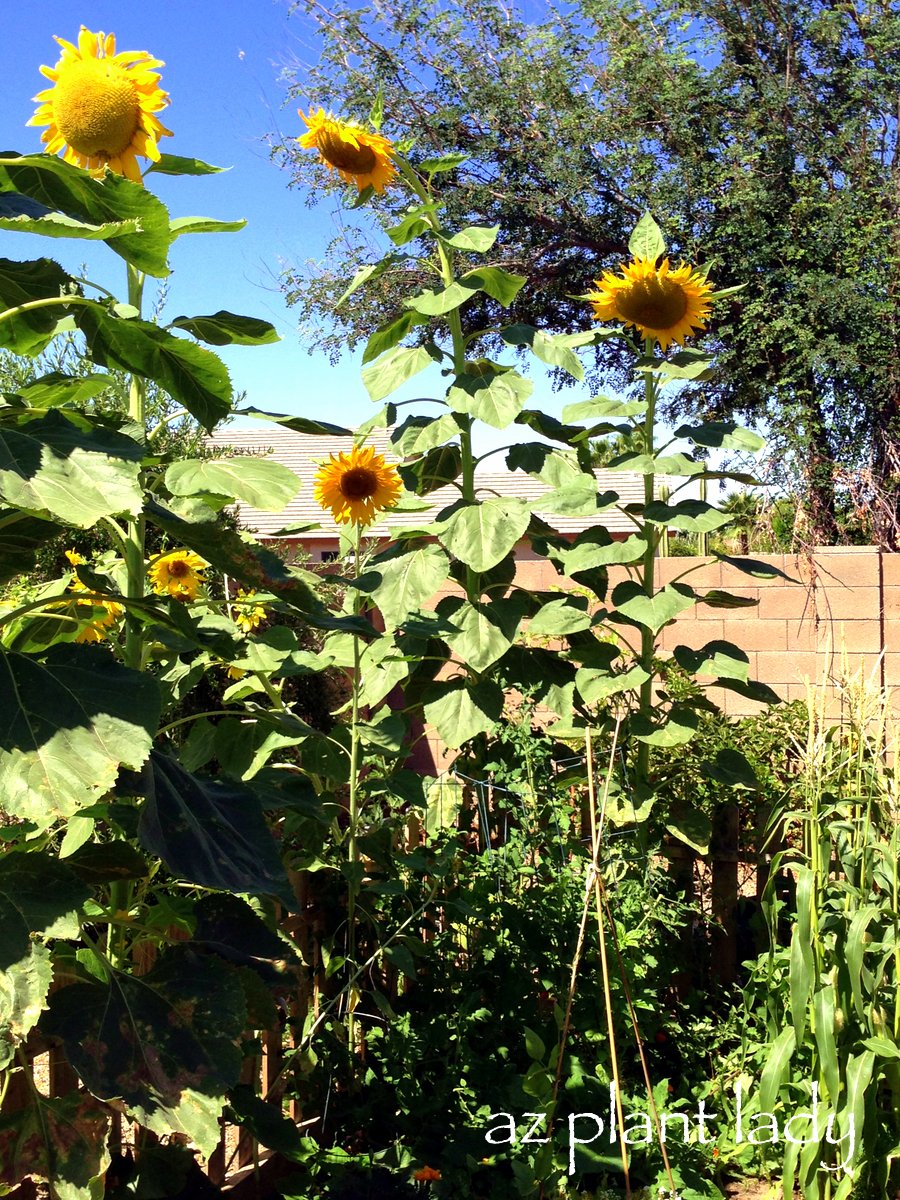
{"x": 648, "y": 564}
{"x": 135, "y": 534}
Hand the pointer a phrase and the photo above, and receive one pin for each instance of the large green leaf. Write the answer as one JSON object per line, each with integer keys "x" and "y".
{"x": 717, "y": 658}
{"x": 24, "y": 986}
{"x": 69, "y": 189}
{"x": 176, "y": 164}
{"x": 396, "y": 366}
{"x": 228, "y": 926}
{"x": 178, "y": 226}
{"x": 500, "y": 285}
{"x": 40, "y": 895}
{"x": 62, "y": 1140}
{"x": 58, "y": 225}
{"x": 561, "y": 617}
{"x": 256, "y": 481}
{"x": 722, "y": 435}
{"x": 438, "y": 301}
{"x": 485, "y": 631}
{"x": 21, "y": 536}
{"x": 210, "y": 832}
{"x": 673, "y": 728}
{"x": 408, "y": 580}
{"x": 481, "y": 535}
{"x": 460, "y": 711}
{"x": 478, "y": 238}
{"x": 692, "y": 827}
{"x": 69, "y": 722}
{"x": 418, "y": 434}
{"x": 433, "y": 470}
{"x": 631, "y": 601}
{"x": 195, "y": 377}
{"x": 228, "y": 329}
{"x": 49, "y": 466}
{"x": 167, "y": 1044}
{"x": 495, "y": 395}
{"x": 589, "y": 554}
{"x": 55, "y": 388}
{"x": 596, "y": 684}
{"x": 556, "y": 350}
{"x": 21, "y": 282}
{"x": 694, "y": 516}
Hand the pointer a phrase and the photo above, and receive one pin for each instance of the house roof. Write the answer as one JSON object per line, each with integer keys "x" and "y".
{"x": 303, "y": 453}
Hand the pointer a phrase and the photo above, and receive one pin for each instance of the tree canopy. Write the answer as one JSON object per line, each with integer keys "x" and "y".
{"x": 763, "y": 136}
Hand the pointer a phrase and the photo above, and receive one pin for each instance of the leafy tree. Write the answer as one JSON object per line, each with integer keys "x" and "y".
{"x": 763, "y": 136}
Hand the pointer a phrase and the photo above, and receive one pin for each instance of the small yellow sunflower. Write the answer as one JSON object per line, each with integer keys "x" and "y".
{"x": 247, "y": 613}
{"x": 662, "y": 302}
{"x": 357, "y": 486}
{"x": 102, "y": 613}
{"x": 101, "y": 108}
{"x": 357, "y": 155}
{"x": 178, "y": 574}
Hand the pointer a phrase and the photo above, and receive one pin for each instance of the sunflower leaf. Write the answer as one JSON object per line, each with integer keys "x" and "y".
{"x": 496, "y": 395}
{"x": 68, "y": 189}
{"x": 297, "y": 424}
{"x": 478, "y": 238}
{"x": 460, "y": 711}
{"x": 721, "y": 435}
{"x": 481, "y": 535}
{"x": 176, "y": 164}
{"x": 395, "y": 367}
{"x": 647, "y": 240}
{"x": 58, "y": 225}
{"x": 228, "y": 329}
{"x": 265, "y": 485}
{"x": 500, "y": 285}
{"x": 29, "y": 332}
{"x": 182, "y": 225}
{"x": 195, "y": 377}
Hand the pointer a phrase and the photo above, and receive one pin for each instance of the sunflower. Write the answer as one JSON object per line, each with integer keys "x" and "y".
{"x": 102, "y": 613}
{"x": 248, "y": 614}
{"x": 357, "y": 486}
{"x": 358, "y": 156}
{"x": 177, "y": 574}
{"x": 665, "y": 303}
{"x": 100, "y": 110}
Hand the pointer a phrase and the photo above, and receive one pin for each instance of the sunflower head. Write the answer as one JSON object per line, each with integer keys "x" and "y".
{"x": 357, "y": 155}
{"x": 247, "y": 613}
{"x": 101, "y": 110}
{"x": 357, "y": 486}
{"x": 662, "y": 302}
{"x": 178, "y": 574}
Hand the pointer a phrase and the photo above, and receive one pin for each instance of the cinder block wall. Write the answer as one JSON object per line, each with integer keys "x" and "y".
{"x": 838, "y": 604}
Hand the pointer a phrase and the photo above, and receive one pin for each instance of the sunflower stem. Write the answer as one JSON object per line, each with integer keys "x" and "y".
{"x": 648, "y": 640}
{"x": 458, "y": 341}
{"x": 135, "y": 535}
{"x": 352, "y": 840}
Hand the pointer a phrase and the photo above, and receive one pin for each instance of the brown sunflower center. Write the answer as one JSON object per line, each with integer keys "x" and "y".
{"x": 358, "y": 160}
{"x": 96, "y": 108}
{"x": 653, "y": 303}
{"x": 359, "y": 483}
{"x": 179, "y": 568}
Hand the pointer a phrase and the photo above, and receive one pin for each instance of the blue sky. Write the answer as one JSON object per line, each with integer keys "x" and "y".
{"x": 223, "y": 62}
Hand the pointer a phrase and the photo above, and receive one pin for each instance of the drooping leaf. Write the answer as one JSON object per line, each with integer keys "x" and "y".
{"x": 38, "y": 895}
{"x": 417, "y": 435}
{"x": 588, "y": 554}
{"x": 68, "y": 189}
{"x": 694, "y": 516}
{"x": 21, "y": 536}
{"x": 210, "y": 832}
{"x": 502, "y": 286}
{"x": 673, "y": 728}
{"x": 717, "y": 658}
{"x": 481, "y": 535}
{"x": 297, "y": 424}
{"x": 24, "y": 986}
{"x": 228, "y": 926}
{"x": 71, "y": 720}
{"x": 556, "y": 350}
{"x": 478, "y": 238}
{"x": 62, "y": 1140}
{"x": 437, "y": 302}
{"x": 495, "y": 395}
{"x": 485, "y": 632}
{"x": 54, "y": 389}
{"x": 390, "y": 335}
{"x": 195, "y": 377}
{"x": 596, "y": 685}
{"x": 722, "y": 435}
{"x": 632, "y": 602}
{"x": 459, "y": 711}
{"x": 692, "y": 827}
{"x": 177, "y": 164}
{"x": 58, "y": 225}
{"x": 754, "y": 567}
{"x": 107, "y": 862}
{"x": 269, "y": 1125}
{"x": 166, "y": 1043}
{"x": 257, "y": 481}
{"x": 395, "y": 367}
{"x": 228, "y": 329}
{"x": 408, "y": 580}
{"x": 732, "y": 768}
{"x": 561, "y": 617}
{"x": 30, "y": 331}
{"x": 181, "y": 225}
{"x": 433, "y": 470}
{"x": 716, "y": 598}
{"x": 48, "y": 465}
